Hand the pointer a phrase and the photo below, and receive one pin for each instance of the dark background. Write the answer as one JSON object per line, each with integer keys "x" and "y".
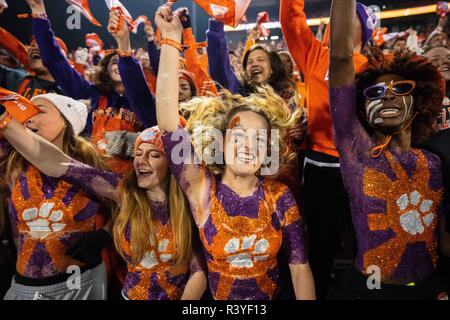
{"x": 56, "y": 10}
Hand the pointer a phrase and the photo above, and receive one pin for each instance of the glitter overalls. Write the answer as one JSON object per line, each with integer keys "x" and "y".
{"x": 155, "y": 277}
{"x": 51, "y": 215}
{"x": 242, "y": 235}
{"x": 395, "y": 199}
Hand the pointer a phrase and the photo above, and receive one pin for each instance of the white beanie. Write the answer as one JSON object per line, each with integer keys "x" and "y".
{"x": 74, "y": 111}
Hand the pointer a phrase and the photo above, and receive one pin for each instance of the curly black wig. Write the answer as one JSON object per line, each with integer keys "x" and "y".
{"x": 428, "y": 93}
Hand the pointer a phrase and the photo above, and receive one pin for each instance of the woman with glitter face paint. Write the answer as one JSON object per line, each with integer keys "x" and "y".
{"x": 395, "y": 190}
{"x": 244, "y": 220}
{"x": 152, "y": 229}
{"x": 52, "y": 220}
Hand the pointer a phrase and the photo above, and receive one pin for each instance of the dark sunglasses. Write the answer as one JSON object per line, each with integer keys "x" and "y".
{"x": 399, "y": 88}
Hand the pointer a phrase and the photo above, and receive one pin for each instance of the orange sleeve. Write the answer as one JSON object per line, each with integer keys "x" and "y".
{"x": 203, "y": 81}
{"x": 248, "y": 44}
{"x": 14, "y": 46}
{"x": 305, "y": 49}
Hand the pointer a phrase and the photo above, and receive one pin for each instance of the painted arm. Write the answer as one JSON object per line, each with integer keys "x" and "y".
{"x": 295, "y": 245}
{"x": 305, "y": 49}
{"x": 219, "y": 61}
{"x": 193, "y": 178}
{"x": 196, "y": 285}
{"x": 142, "y": 101}
{"x": 54, "y": 163}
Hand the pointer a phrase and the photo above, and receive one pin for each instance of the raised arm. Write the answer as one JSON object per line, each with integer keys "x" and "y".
{"x": 342, "y": 71}
{"x": 219, "y": 61}
{"x": 54, "y": 163}
{"x": 153, "y": 52}
{"x": 193, "y": 64}
{"x": 352, "y": 141}
{"x": 142, "y": 101}
{"x": 72, "y": 83}
{"x": 305, "y": 49}
{"x": 194, "y": 179}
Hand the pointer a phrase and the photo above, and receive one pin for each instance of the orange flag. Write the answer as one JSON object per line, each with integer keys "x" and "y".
{"x": 229, "y": 12}
{"x": 139, "y": 20}
{"x": 83, "y": 7}
{"x": 94, "y": 41}
{"x": 117, "y": 5}
{"x": 19, "y": 107}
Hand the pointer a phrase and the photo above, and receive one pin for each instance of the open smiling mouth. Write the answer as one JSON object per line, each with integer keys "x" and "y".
{"x": 390, "y": 112}
{"x": 245, "y": 157}
{"x": 144, "y": 173}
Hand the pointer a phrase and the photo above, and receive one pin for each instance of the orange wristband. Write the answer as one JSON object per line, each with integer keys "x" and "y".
{"x": 173, "y": 43}
{"x": 4, "y": 122}
{"x": 125, "y": 53}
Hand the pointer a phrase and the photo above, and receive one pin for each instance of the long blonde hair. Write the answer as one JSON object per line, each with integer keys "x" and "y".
{"x": 208, "y": 113}
{"x": 134, "y": 209}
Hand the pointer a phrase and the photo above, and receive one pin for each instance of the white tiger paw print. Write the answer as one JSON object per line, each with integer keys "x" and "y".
{"x": 150, "y": 260}
{"x": 419, "y": 216}
{"x": 43, "y": 222}
{"x": 242, "y": 255}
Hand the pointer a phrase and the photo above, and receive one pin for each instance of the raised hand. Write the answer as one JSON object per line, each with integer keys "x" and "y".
{"x": 118, "y": 28}
{"x": 149, "y": 31}
{"x": 168, "y": 23}
{"x": 36, "y": 6}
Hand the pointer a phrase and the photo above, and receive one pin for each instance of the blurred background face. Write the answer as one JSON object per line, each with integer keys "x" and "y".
{"x": 439, "y": 40}
{"x": 49, "y": 123}
{"x": 287, "y": 63}
{"x": 399, "y": 45}
{"x": 440, "y": 57}
{"x": 391, "y": 111}
{"x": 113, "y": 69}
{"x": 258, "y": 69}
{"x": 185, "y": 93}
{"x": 246, "y": 143}
{"x": 144, "y": 59}
{"x": 34, "y": 59}
{"x": 150, "y": 166}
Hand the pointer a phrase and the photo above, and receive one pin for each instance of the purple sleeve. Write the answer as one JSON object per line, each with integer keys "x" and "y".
{"x": 219, "y": 61}
{"x": 72, "y": 83}
{"x": 196, "y": 264}
{"x": 293, "y": 228}
{"x": 183, "y": 162}
{"x": 142, "y": 101}
{"x": 153, "y": 54}
{"x": 351, "y": 139}
{"x": 101, "y": 184}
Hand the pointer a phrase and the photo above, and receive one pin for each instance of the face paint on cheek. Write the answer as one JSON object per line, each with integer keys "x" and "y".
{"x": 378, "y": 121}
{"x": 235, "y": 122}
{"x": 407, "y": 108}
{"x": 372, "y": 108}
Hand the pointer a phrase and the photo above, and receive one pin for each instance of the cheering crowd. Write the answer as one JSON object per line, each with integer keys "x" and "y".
{"x": 191, "y": 170}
